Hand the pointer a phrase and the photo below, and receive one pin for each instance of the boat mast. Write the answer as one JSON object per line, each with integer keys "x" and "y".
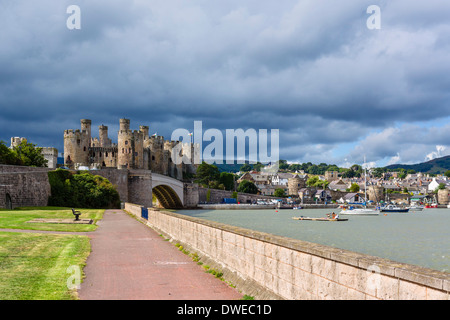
{"x": 365, "y": 183}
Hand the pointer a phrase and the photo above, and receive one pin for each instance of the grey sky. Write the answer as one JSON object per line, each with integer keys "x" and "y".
{"x": 336, "y": 90}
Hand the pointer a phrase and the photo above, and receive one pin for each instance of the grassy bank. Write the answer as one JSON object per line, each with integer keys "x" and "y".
{"x": 34, "y": 266}
{"x": 18, "y": 218}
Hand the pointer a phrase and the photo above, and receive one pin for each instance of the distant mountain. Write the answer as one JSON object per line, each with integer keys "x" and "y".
{"x": 438, "y": 165}
{"x": 228, "y": 167}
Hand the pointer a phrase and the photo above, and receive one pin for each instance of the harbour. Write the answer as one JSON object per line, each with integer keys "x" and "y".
{"x": 419, "y": 238}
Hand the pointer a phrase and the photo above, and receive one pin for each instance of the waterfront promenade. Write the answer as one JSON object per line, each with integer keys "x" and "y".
{"x": 130, "y": 261}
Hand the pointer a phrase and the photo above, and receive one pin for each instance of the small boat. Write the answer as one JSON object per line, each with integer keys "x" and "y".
{"x": 318, "y": 219}
{"x": 415, "y": 208}
{"x": 392, "y": 208}
{"x": 360, "y": 211}
{"x": 297, "y": 208}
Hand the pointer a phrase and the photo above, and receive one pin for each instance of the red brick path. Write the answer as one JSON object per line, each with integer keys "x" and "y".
{"x": 130, "y": 261}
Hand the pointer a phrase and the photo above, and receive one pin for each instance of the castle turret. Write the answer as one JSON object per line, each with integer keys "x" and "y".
{"x": 103, "y": 136}
{"x": 295, "y": 184}
{"x": 124, "y": 125}
{"x": 76, "y": 145}
{"x": 86, "y": 126}
{"x": 124, "y": 150}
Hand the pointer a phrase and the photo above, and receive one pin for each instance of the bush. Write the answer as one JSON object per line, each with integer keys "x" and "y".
{"x": 82, "y": 190}
{"x": 247, "y": 187}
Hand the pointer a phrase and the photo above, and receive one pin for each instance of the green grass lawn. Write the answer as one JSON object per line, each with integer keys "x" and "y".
{"x": 17, "y": 218}
{"x": 34, "y": 266}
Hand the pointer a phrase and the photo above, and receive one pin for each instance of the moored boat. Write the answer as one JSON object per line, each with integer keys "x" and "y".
{"x": 360, "y": 211}
{"x": 393, "y": 208}
{"x": 318, "y": 219}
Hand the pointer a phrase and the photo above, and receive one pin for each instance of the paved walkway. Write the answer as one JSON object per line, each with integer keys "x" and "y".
{"x": 130, "y": 261}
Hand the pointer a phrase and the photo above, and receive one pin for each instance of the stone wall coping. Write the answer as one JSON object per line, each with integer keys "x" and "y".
{"x": 420, "y": 275}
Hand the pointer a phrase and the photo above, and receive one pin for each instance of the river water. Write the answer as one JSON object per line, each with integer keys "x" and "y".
{"x": 420, "y": 238}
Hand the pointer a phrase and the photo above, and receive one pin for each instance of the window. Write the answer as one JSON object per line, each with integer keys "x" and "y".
{"x": 126, "y": 142}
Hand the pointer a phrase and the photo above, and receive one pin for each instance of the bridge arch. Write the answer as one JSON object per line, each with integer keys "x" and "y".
{"x": 168, "y": 191}
{"x": 167, "y": 197}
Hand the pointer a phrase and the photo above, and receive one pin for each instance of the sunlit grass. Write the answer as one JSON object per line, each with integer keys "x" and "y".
{"x": 19, "y": 217}
{"x": 34, "y": 266}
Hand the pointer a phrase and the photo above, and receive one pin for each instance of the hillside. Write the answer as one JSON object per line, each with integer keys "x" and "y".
{"x": 438, "y": 165}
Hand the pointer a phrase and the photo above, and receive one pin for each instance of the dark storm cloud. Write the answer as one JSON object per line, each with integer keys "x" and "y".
{"x": 309, "y": 68}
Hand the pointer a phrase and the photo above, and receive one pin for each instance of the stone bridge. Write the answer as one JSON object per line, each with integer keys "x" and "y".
{"x": 138, "y": 186}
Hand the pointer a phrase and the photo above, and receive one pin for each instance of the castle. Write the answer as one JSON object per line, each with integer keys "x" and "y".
{"x": 135, "y": 150}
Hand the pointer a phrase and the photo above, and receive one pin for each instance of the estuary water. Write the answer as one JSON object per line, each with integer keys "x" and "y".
{"x": 420, "y": 238}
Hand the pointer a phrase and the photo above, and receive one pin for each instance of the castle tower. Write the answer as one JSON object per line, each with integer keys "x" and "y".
{"x": 295, "y": 184}
{"x": 86, "y": 126}
{"x": 15, "y": 141}
{"x": 103, "y": 136}
{"x": 76, "y": 145}
{"x": 443, "y": 196}
{"x": 144, "y": 130}
{"x": 124, "y": 148}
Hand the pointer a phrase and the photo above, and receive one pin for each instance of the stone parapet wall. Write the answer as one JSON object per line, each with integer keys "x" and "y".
{"x": 294, "y": 269}
{"x": 23, "y": 186}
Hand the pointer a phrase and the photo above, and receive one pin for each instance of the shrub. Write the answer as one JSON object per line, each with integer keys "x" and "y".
{"x": 82, "y": 190}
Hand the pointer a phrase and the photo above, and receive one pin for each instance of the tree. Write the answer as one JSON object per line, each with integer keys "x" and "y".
{"x": 311, "y": 182}
{"x": 316, "y": 182}
{"x": 447, "y": 173}
{"x": 6, "y": 155}
{"x": 279, "y": 192}
{"x": 82, "y": 190}
{"x": 258, "y": 166}
{"x": 227, "y": 179}
{"x": 282, "y": 164}
{"x": 441, "y": 186}
{"x": 245, "y": 168}
{"x": 207, "y": 173}
{"x": 354, "y": 187}
{"x": 247, "y": 187}
{"x": 27, "y": 154}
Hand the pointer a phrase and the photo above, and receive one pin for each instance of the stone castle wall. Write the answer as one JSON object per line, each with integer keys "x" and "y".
{"x": 23, "y": 186}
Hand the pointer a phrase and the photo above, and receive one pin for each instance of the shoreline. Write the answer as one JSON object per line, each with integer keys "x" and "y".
{"x": 245, "y": 206}
{"x": 228, "y": 206}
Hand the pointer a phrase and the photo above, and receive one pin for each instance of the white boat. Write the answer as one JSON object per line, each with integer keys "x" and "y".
{"x": 362, "y": 211}
{"x": 393, "y": 208}
{"x": 415, "y": 208}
